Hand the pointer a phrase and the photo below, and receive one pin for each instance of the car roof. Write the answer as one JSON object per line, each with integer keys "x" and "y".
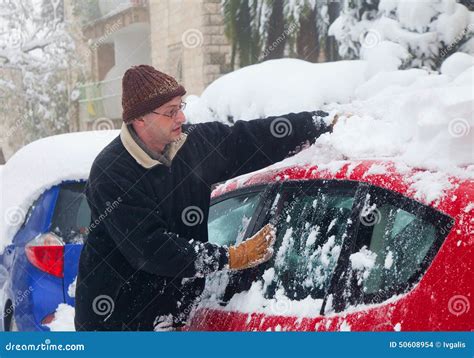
{"x": 445, "y": 192}
{"x": 42, "y": 164}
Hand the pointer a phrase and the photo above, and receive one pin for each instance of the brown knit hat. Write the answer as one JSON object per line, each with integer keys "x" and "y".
{"x": 144, "y": 88}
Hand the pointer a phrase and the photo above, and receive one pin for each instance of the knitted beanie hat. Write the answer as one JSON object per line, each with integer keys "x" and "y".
{"x": 144, "y": 89}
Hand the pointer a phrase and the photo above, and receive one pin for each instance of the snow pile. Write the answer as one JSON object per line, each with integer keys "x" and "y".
{"x": 40, "y": 165}
{"x": 273, "y": 87}
{"x": 63, "y": 319}
{"x": 254, "y": 299}
{"x": 457, "y": 64}
{"x": 419, "y": 118}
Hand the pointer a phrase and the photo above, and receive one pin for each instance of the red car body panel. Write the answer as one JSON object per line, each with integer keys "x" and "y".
{"x": 439, "y": 302}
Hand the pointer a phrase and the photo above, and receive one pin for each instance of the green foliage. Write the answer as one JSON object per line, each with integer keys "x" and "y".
{"x": 270, "y": 29}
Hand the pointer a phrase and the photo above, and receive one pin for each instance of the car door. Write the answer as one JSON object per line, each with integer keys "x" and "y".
{"x": 313, "y": 221}
{"x": 232, "y": 218}
{"x": 395, "y": 243}
{"x": 331, "y": 258}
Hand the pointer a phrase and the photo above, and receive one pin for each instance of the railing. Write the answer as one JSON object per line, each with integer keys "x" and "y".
{"x": 100, "y": 99}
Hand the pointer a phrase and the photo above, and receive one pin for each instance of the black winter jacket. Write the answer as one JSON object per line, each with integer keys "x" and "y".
{"x": 147, "y": 252}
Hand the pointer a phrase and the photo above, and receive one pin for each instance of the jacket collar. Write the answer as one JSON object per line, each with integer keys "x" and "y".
{"x": 141, "y": 156}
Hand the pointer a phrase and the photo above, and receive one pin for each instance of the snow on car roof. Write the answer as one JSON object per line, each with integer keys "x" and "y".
{"x": 417, "y": 118}
{"x": 278, "y": 86}
{"x": 40, "y": 165}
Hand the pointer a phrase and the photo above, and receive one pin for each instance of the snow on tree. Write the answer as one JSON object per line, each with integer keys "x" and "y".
{"x": 403, "y": 33}
{"x": 34, "y": 42}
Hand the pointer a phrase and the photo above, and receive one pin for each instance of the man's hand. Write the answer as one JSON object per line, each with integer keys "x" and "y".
{"x": 254, "y": 251}
{"x": 345, "y": 115}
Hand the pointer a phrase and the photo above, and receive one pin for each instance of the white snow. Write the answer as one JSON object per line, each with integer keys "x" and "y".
{"x": 268, "y": 276}
{"x": 376, "y": 169}
{"x": 40, "y": 165}
{"x": 364, "y": 261}
{"x": 404, "y": 32}
{"x": 388, "y": 260}
{"x": 429, "y": 187}
{"x": 415, "y": 118}
{"x": 345, "y": 326}
{"x": 253, "y": 300}
{"x": 258, "y": 91}
{"x": 71, "y": 290}
{"x": 63, "y": 319}
{"x": 469, "y": 207}
{"x": 456, "y": 64}
{"x": 386, "y": 56}
{"x": 397, "y": 327}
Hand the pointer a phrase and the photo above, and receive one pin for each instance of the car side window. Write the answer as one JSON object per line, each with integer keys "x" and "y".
{"x": 310, "y": 230}
{"x": 397, "y": 240}
{"x": 72, "y": 215}
{"x": 229, "y": 219}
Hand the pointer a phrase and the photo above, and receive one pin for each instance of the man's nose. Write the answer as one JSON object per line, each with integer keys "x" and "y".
{"x": 180, "y": 117}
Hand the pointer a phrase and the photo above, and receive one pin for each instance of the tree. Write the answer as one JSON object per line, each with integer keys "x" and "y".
{"x": 307, "y": 40}
{"x": 40, "y": 48}
{"x": 260, "y": 30}
{"x": 420, "y": 34}
{"x": 333, "y": 11}
{"x": 242, "y": 28}
{"x": 275, "y": 31}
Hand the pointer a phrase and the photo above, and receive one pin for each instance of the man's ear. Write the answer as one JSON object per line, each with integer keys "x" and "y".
{"x": 138, "y": 122}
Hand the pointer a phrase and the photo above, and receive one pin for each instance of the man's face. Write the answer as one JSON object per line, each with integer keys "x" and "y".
{"x": 164, "y": 126}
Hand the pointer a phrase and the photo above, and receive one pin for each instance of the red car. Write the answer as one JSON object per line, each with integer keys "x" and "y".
{"x": 371, "y": 246}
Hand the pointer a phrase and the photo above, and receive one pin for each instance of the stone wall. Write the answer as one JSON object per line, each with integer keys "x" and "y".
{"x": 188, "y": 41}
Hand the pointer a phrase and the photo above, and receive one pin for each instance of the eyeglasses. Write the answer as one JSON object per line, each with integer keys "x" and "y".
{"x": 174, "y": 112}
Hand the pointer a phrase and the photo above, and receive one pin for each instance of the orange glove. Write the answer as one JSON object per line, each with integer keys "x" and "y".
{"x": 254, "y": 251}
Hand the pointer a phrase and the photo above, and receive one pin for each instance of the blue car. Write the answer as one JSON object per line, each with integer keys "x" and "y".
{"x": 38, "y": 269}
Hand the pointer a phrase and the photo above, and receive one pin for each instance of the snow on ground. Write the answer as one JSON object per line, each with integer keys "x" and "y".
{"x": 40, "y": 165}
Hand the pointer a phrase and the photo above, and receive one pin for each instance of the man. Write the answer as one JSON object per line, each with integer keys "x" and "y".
{"x": 145, "y": 259}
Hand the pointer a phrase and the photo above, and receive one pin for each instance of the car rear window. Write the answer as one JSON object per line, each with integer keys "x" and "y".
{"x": 396, "y": 242}
{"x": 72, "y": 215}
{"x": 310, "y": 232}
